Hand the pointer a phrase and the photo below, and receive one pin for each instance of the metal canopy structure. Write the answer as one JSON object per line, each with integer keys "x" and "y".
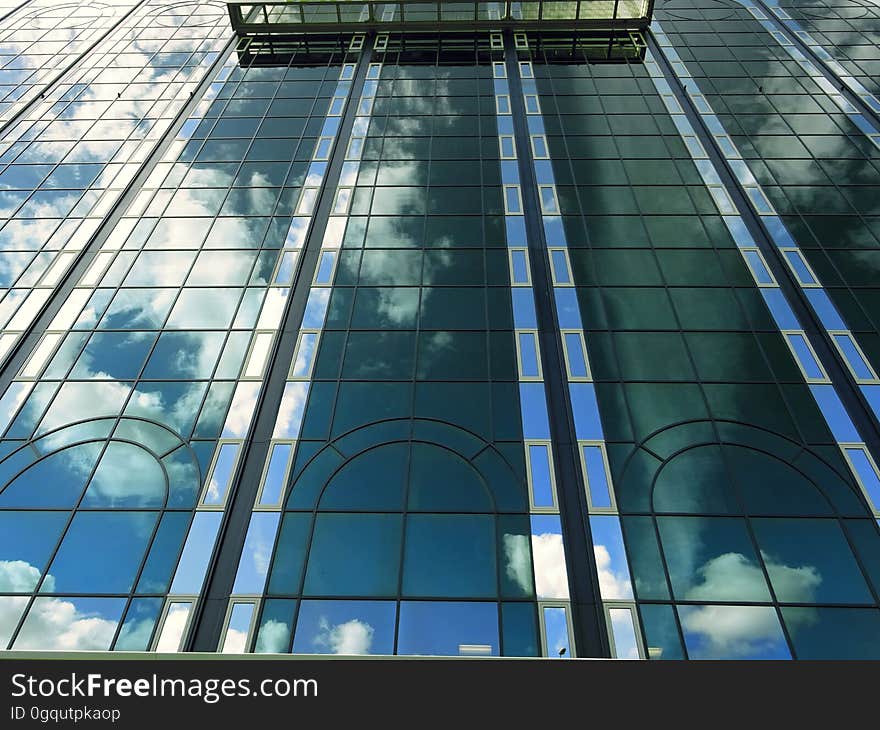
{"x": 427, "y": 15}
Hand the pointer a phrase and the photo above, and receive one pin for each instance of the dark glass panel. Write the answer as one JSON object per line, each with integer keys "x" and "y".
{"x": 450, "y": 556}
{"x": 834, "y": 633}
{"x": 354, "y": 555}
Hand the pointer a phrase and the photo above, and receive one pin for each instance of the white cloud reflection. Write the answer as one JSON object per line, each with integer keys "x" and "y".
{"x": 273, "y": 638}
{"x": 551, "y": 576}
{"x": 351, "y": 637}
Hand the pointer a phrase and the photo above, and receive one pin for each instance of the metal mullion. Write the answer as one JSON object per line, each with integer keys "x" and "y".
{"x": 210, "y": 611}
{"x": 588, "y": 627}
{"x": 628, "y": 406}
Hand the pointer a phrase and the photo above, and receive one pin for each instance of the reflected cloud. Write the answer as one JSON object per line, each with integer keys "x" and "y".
{"x": 351, "y": 637}
{"x": 76, "y": 399}
{"x": 518, "y": 561}
{"x": 273, "y": 638}
{"x": 172, "y": 404}
{"x": 622, "y": 628}
{"x": 388, "y": 266}
{"x": 135, "y": 634}
{"x": 19, "y": 576}
{"x": 732, "y": 631}
{"x": 731, "y": 576}
{"x": 173, "y": 628}
{"x": 129, "y": 475}
{"x": 290, "y": 413}
{"x": 551, "y": 576}
{"x": 235, "y": 642}
{"x": 58, "y": 624}
{"x": 612, "y": 585}
{"x": 397, "y": 304}
{"x": 744, "y": 631}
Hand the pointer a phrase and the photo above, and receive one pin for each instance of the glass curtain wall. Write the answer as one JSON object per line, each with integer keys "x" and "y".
{"x": 406, "y": 524}
{"x": 817, "y": 166}
{"x": 111, "y": 443}
{"x": 69, "y": 157}
{"x": 44, "y": 38}
{"x": 407, "y": 504}
{"x": 745, "y": 532}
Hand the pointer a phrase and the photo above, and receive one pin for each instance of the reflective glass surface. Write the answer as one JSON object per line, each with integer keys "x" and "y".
{"x": 406, "y": 507}
{"x": 113, "y": 444}
{"x": 719, "y": 456}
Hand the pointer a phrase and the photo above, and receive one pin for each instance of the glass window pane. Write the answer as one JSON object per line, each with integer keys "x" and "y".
{"x": 732, "y": 632}
{"x": 556, "y": 630}
{"x": 448, "y": 628}
{"x": 100, "y": 553}
{"x": 273, "y": 634}
{"x": 834, "y": 633}
{"x": 345, "y": 627}
{"x": 70, "y": 624}
{"x": 712, "y": 558}
{"x": 810, "y": 561}
{"x": 450, "y": 556}
{"x": 354, "y": 555}
{"x": 661, "y": 632}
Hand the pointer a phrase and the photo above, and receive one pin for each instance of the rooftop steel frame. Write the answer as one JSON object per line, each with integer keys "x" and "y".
{"x": 301, "y": 16}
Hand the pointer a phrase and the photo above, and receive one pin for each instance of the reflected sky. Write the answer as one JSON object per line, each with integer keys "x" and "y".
{"x": 68, "y": 624}
{"x": 345, "y": 627}
{"x": 733, "y": 632}
{"x": 83, "y": 122}
{"x": 448, "y": 629}
{"x": 42, "y": 38}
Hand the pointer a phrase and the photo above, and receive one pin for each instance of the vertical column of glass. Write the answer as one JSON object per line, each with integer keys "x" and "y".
{"x": 69, "y": 159}
{"x": 850, "y": 441}
{"x": 253, "y": 567}
{"x": 45, "y": 37}
{"x": 719, "y": 454}
{"x": 614, "y": 579}
{"x": 406, "y": 520}
{"x": 814, "y": 162}
{"x": 253, "y": 563}
{"x": 553, "y": 606}
{"x": 122, "y": 444}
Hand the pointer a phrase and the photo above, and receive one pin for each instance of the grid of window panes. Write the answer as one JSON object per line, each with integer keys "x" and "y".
{"x": 108, "y": 450}
{"x": 745, "y": 535}
{"x": 42, "y": 39}
{"x": 849, "y": 31}
{"x": 69, "y": 158}
{"x": 790, "y": 32}
{"x": 817, "y": 168}
{"x": 848, "y": 435}
{"x": 406, "y": 527}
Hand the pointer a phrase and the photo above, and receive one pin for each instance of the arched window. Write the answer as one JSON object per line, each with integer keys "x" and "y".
{"x": 402, "y": 524}
{"x": 744, "y": 544}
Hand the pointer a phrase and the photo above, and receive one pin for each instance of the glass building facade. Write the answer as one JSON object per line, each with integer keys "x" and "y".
{"x": 531, "y": 329}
